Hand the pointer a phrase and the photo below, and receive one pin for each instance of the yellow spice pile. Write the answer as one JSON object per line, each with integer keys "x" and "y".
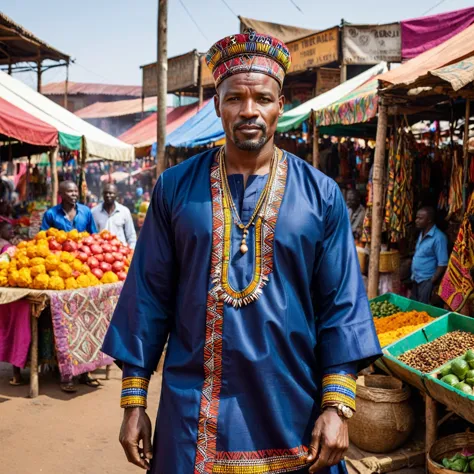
{"x": 392, "y": 328}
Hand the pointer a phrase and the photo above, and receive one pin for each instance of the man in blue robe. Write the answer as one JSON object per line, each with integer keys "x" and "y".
{"x": 246, "y": 265}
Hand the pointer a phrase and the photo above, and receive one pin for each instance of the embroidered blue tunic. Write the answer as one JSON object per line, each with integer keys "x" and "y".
{"x": 312, "y": 318}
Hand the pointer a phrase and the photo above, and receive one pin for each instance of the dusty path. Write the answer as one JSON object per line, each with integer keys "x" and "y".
{"x": 59, "y": 433}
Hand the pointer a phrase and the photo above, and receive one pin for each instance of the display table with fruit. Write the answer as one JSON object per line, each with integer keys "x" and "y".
{"x": 79, "y": 276}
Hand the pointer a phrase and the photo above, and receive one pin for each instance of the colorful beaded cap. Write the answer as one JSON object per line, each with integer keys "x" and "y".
{"x": 249, "y": 52}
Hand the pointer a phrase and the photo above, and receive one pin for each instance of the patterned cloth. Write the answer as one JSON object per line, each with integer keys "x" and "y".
{"x": 457, "y": 285}
{"x": 248, "y": 52}
{"x": 80, "y": 320}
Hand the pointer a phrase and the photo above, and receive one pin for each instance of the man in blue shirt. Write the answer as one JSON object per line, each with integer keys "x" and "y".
{"x": 431, "y": 256}
{"x": 69, "y": 214}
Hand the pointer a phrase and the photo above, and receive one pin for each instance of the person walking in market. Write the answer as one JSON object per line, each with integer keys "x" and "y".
{"x": 114, "y": 217}
{"x": 356, "y": 212}
{"x": 431, "y": 256}
{"x": 246, "y": 261}
{"x": 67, "y": 216}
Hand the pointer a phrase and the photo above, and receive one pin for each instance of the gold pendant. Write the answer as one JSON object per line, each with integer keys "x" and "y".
{"x": 243, "y": 248}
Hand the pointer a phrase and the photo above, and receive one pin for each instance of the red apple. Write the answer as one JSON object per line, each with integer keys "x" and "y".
{"x": 100, "y": 257}
{"x": 105, "y": 267}
{"x": 92, "y": 262}
{"x": 115, "y": 242}
{"x": 118, "y": 257}
{"x": 97, "y": 272}
{"x": 114, "y": 248}
{"x": 124, "y": 250}
{"x": 107, "y": 248}
{"x": 86, "y": 250}
{"x": 118, "y": 267}
{"x": 109, "y": 258}
{"x": 122, "y": 276}
{"x": 69, "y": 245}
{"x": 89, "y": 241}
{"x": 82, "y": 256}
{"x": 55, "y": 245}
{"x": 96, "y": 249}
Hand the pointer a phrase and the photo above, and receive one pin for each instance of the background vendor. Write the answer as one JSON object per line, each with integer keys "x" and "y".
{"x": 69, "y": 214}
{"x": 431, "y": 256}
{"x": 356, "y": 212}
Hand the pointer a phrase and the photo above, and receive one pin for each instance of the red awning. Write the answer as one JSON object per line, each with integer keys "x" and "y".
{"x": 144, "y": 133}
{"x": 20, "y": 125}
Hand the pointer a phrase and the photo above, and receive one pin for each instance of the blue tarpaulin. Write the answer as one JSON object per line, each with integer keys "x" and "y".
{"x": 203, "y": 128}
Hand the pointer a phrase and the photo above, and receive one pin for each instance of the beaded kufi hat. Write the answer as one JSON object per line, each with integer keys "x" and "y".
{"x": 248, "y": 52}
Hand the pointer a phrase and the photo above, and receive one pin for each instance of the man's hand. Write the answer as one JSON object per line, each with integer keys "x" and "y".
{"x": 136, "y": 427}
{"x": 329, "y": 441}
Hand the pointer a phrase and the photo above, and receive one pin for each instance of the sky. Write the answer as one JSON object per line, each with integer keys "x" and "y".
{"x": 111, "y": 39}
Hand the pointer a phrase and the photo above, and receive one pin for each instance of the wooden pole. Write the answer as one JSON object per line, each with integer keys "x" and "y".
{"x": 82, "y": 198}
{"x": 34, "y": 386}
{"x": 343, "y": 73}
{"x": 431, "y": 417}
{"x": 53, "y": 158}
{"x": 316, "y": 162}
{"x": 378, "y": 201}
{"x": 466, "y": 155}
{"x": 39, "y": 71}
{"x": 66, "y": 85}
{"x": 9, "y": 67}
{"x": 162, "y": 80}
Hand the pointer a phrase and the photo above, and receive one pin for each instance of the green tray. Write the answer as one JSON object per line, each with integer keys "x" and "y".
{"x": 406, "y": 304}
{"x": 455, "y": 400}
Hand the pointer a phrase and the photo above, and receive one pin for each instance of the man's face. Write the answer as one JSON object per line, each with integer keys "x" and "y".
{"x": 352, "y": 200}
{"x": 249, "y": 106}
{"x": 110, "y": 194}
{"x": 70, "y": 194}
{"x": 422, "y": 220}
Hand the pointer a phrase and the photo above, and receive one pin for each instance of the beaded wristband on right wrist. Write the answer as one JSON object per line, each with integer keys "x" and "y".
{"x": 134, "y": 392}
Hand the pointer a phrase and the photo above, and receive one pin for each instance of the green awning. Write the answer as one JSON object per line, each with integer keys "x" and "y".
{"x": 72, "y": 142}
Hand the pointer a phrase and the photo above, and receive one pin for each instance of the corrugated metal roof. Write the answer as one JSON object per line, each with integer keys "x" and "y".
{"x": 284, "y": 33}
{"x": 85, "y": 88}
{"x": 27, "y": 45}
{"x": 117, "y": 109}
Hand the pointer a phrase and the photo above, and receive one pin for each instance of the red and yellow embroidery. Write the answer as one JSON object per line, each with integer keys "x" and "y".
{"x": 208, "y": 460}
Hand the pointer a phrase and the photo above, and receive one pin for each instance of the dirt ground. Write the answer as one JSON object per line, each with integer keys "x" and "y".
{"x": 59, "y": 433}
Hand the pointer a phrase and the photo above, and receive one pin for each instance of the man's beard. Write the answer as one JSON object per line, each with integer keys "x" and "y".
{"x": 252, "y": 144}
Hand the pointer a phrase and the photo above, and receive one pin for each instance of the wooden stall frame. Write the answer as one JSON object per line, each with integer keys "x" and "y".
{"x": 316, "y": 162}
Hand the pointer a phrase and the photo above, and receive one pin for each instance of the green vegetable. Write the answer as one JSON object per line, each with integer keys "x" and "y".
{"x": 450, "y": 379}
{"x": 446, "y": 463}
{"x": 460, "y": 368}
{"x": 471, "y": 364}
{"x": 470, "y": 381}
{"x": 470, "y": 374}
{"x": 471, "y": 465}
{"x": 469, "y": 355}
{"x": 463, "y": 387}
{"x": 458, "y": 465}
{"x": 446, "y": 370}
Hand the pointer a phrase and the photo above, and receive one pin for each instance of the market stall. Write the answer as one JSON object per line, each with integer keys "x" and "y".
{"x": 77, "y": 276}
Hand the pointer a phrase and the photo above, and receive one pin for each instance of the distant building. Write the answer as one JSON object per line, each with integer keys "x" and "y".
{"x": 81, "y": 94}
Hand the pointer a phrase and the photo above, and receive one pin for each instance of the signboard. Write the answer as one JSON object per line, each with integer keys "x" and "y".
{"x": 327, "y": 79}
{"x": 315, "y": 50}
{"x": 365, "y": 44}
{"x": 207, "y": 79}
{"x": 182, "y": 73}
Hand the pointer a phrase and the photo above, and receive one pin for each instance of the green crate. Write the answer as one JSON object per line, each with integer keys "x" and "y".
{"x": 406, "y": 304}
{"x": 455, "y": 400}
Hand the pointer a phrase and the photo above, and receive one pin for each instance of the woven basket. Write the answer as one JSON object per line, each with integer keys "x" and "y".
{"x": 446, "y": 448}
{"x": 389, "y": 261}
{"x": 384, "y": 418}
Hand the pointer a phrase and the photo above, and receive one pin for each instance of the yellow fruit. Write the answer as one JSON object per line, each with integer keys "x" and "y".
{"x": 77, "y": 265}
{"x": 83, "y": 235}
{"x": 65, "y": 271}
{"x": 12, "y": 277}
{"x": 41, "y": 282}
{"x": 56, "y": 283}
{"x": 21, "y": 245}
{"x": 42, "y": 250}
{"x": 36, "y": 261}
{"x": 37, "y": 270}
{"x": 71, "y": 284}
{"x": 4, "y": 272}
{"x": 83, "y": 281}
{"x": 73, "y": 235}
{"x": 4, "y": 264}
{"x": 51, "y": 232}
{"x": 23, "y": 261}
{"x": 67, "y": 257}
{"x": 93, "y": 280}
{"x": 3, "y": 281}
{"x": 41, "y": 235}
{"x": 109, "y": 277}
{"x": 52, "y": 261}
{"x": 54, "y": 273}
{"x": 24, "y": 279}
{"x": 61, "y": 236}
